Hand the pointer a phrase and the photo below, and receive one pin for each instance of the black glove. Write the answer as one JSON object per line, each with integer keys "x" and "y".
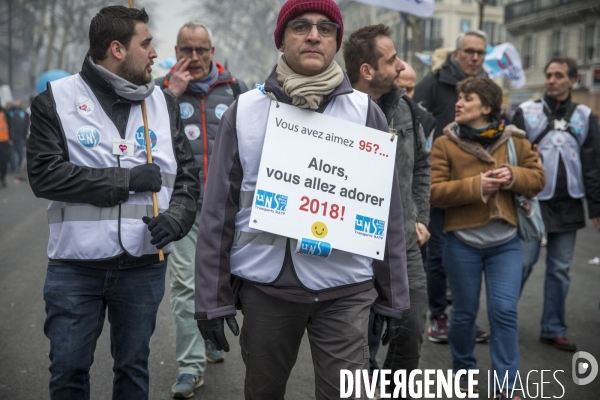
{"x": 163, "y": 229}
{"x": 394, "y": 326}
{"x": 214, "y": 330}
{"x": 145, "y": 178}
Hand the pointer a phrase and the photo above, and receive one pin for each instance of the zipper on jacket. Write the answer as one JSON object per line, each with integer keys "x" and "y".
{"x": 204, "y": 141}
{"x": 204, "y": 131}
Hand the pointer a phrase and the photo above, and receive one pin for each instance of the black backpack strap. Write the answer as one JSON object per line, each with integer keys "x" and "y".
{"x": 550, "y": 126}
{"x": 235, "y": 86}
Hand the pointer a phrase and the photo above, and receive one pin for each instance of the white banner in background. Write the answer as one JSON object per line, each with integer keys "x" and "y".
{"x": 324, "y": 181}
{"x": 504, "y": 60}
{"x": 420, "y": 8}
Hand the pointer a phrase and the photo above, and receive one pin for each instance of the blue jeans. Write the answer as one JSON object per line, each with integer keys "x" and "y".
{"x": 501, "y": 266}
{"x": 16, "y": 156}
{"x": 76, "y": 302}
{"x": 436, "y": 274}
{"x": 560, "y": 249}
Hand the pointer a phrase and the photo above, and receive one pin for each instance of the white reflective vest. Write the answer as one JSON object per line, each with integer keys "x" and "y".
{"x": 86, "y": 232}
{"x": 258, "y": 256}
{"x": 558, "y": 143}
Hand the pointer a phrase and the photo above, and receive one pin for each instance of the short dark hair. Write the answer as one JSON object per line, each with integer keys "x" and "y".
{"x": 113, "y": 23}
{"x": 489, "y": 93}
{"x": 571, "y": 65}
{"x": 360, "y": 48}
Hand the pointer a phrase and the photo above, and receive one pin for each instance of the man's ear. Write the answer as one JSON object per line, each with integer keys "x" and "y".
{"x": 366, "y": 72}
{"x": 117, "y": 50}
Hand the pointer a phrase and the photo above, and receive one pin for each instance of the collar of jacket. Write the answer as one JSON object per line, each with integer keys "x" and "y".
{"x": 271, "y": 85}
{"x": 559, "y": 111}
{"x": 450, "y": 74}
{"x": 98, "y": 83}
{"x": 477, "y": 149}
{"x": 389, "y": 101}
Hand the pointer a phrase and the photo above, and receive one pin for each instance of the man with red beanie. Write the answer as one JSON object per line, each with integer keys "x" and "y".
{"x": 282, "y": 293}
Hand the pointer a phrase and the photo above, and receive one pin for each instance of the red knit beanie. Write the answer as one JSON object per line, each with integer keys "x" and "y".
{"x": 292, "y": 8}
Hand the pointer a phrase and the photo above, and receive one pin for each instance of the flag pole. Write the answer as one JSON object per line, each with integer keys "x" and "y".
{"x": 161, "y": 253}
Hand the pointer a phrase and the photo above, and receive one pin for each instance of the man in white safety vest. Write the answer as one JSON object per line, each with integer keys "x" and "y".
{"x": 280, "y": 292}
{"x": 87, "y": 156}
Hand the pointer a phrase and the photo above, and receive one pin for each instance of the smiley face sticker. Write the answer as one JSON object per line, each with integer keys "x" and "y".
{"x": 319, "y": 230}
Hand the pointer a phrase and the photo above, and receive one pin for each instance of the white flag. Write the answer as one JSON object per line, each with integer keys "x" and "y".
{"x": 420, "y": 8}
{"x": 504, "y": 60}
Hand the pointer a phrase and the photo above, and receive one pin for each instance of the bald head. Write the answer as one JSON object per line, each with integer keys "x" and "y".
{"x": 407, "y": 79}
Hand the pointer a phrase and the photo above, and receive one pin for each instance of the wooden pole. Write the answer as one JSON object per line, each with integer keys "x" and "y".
{"x": 161, "y": 253}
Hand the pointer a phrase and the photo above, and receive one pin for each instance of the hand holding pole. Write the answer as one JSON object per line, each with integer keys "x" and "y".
{"x": 161, "y": 253}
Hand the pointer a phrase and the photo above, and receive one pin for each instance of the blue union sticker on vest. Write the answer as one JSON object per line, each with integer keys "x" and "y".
{"x": 141, "y": 140}
{"x": 88, "y": 136}
{"x": 313, "y": 247}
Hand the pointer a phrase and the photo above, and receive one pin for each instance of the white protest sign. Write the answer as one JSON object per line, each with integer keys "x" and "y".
{"x": 324, "y": 181}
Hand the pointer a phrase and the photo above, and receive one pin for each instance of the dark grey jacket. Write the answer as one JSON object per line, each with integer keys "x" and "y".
{"x": 201, "y": 126}
{"x": 412, "y": 161}
{"x": 53, "y": 177}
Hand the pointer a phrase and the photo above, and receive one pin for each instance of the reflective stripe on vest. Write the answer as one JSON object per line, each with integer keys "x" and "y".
{"x": 558, "y": 143}
{"x": 258, "y": 256}
{"x": 86, "y": 232}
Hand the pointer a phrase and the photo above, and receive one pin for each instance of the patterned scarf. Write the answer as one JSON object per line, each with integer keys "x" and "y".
{"x": 485, "y": 135}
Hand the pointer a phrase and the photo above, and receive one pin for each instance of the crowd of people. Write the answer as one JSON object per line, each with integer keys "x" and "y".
{"x": 452, "y": 214}
{"x": 14, "y": 130}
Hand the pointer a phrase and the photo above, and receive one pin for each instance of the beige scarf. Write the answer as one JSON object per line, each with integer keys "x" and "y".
{"x": 308, "y": 91}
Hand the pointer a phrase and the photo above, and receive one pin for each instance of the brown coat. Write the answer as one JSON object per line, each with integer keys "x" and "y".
{"x": 456, "y": 168}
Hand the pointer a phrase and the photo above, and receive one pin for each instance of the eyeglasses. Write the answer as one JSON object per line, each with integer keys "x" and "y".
{"x": 188, "y": 51}
{"x": 302, "y": 27}
{"x": 471, "y": 52}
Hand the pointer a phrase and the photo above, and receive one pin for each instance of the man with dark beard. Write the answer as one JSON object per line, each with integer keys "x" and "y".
{"x": 87, "y": 156}
{"x": 374, "y": 68}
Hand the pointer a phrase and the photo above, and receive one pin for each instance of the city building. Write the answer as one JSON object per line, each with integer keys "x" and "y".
{"x": 426, "y": 35}
{"x": 542, "y": 29}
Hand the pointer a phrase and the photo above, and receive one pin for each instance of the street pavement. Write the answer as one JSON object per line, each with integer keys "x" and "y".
{"x": 24, "y": 348}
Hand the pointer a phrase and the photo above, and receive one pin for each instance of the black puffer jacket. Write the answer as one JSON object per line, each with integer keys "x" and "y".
{"x": 201, "y": 116}
{"x": 53, "y": 177}
{"x": 437, "y": 93}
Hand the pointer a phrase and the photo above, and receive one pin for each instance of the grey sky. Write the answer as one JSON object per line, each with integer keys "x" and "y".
{"x": 169, "y": 16}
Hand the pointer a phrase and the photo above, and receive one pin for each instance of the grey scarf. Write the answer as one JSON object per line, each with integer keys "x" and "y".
{"x": 123, "y": 87}
{"x": 202, "y": 86}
